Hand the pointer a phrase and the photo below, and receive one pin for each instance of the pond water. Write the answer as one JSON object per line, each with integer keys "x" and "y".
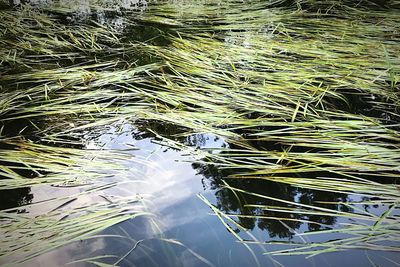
{"x": 183, "y": 231}
{"x": 175, "y": 188}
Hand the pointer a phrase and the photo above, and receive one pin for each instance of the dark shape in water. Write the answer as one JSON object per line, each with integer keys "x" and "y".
{"x": 235, "y": 203}
{"x": 13, "y": 198}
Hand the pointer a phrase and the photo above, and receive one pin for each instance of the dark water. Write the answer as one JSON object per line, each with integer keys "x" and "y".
{"x": 183, "y": 230}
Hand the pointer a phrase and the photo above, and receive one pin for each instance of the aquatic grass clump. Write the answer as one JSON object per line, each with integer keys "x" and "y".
{"x": 31, "y": 38}
{"x": 273, "y": 105}
{"x": 80, "y": 196}
{"x": 59, "y": 227}
{"x": 80, "y": 94}
{"x": 309, "y": 78}
{"x": 57, "y": 166}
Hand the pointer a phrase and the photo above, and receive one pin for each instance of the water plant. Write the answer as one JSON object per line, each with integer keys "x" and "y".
{"x": 305, "y": 93}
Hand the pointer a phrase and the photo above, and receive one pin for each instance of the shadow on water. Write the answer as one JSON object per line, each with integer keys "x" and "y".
{"x": 12, "y": 198}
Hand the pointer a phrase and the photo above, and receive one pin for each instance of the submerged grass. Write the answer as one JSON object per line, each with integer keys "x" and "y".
{"x": 54, "y": 79}
{"x": 56, "y": 165}
{"x": 58, "y": 228}
{"x": 297, "y": 88}
{"x": 311, "y": 93}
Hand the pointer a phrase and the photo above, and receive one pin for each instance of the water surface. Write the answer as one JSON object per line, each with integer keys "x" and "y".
{"x": 183, "y": 230}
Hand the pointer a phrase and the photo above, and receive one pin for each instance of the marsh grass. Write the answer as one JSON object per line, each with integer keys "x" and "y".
{"x": 295, "y": 88}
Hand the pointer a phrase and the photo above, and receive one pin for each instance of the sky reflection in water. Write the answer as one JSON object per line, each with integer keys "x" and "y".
{"x": 169, "y": 186}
